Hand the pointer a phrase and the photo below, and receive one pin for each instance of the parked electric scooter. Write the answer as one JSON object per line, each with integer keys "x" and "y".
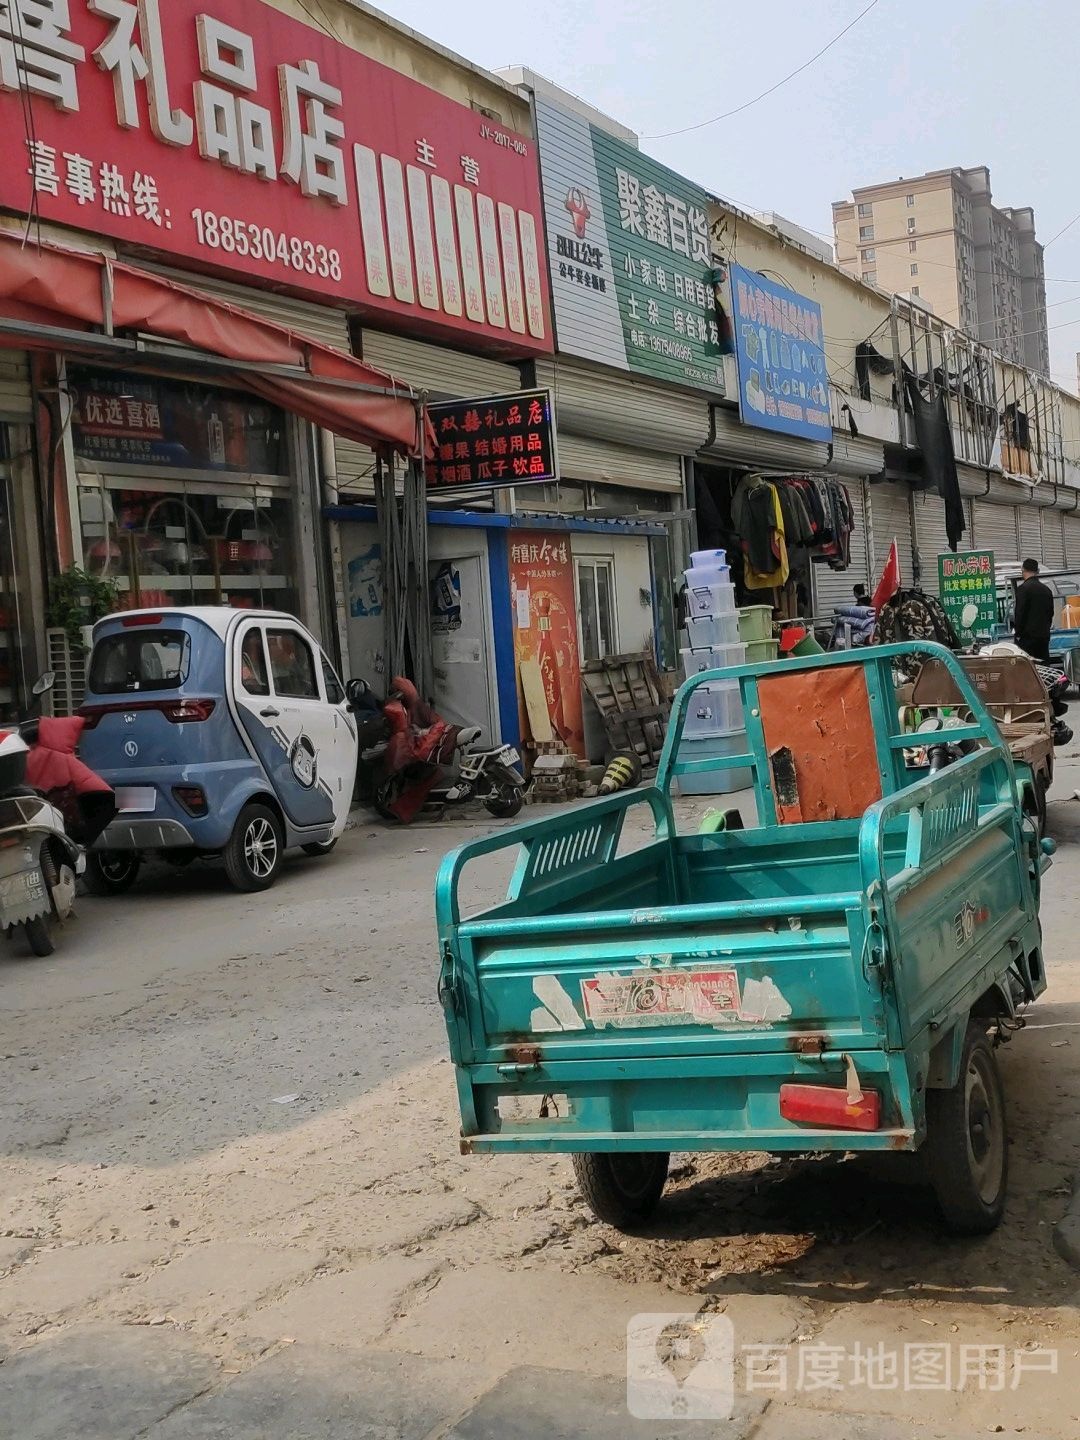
{"x": 410, "y": 762}
{"x": 39, "y": 858}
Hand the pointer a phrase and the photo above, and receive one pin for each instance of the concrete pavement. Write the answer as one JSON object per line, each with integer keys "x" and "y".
{"x": 231, "y": 1203}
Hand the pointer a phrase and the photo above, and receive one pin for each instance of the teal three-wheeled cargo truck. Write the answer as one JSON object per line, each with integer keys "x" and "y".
{"x": 835, "y": 976}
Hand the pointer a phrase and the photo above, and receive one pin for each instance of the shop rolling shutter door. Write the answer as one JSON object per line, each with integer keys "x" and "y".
{"x": 445, "y": 374}
{"x": 318, "y": 322}
{"x": 995, "y": 529}
{"x": 1070, "y": 525}
{"x": 930, "y": 536}
{"x": 739, "y": 444}
{"x": 16, "y": 402}
{"x": 890, "y": 520}
{"x": 605, "y": 464}
{"x": 834, "y": 587}
{"x": 1053, "y": 539}
{"x": 1030, "y": 531}
{"x": 602, "y": 405}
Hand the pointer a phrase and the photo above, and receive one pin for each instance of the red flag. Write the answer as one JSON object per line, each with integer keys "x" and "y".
{"x": 890, "y": 579}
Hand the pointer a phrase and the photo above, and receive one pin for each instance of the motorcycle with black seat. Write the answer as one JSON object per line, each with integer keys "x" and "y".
{"x": 51, "y": 807}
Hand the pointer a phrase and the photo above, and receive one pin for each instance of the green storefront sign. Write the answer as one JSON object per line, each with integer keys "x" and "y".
{"x": 629, "y": 255}
{"x": 968, "y": 593}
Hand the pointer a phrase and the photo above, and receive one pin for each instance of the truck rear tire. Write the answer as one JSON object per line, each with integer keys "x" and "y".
{"x": 967, "y": 1147}
{"x": 622, "y": 1190}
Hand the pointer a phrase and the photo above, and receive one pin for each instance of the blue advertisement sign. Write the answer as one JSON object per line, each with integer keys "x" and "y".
{"x": 780, "y": 347}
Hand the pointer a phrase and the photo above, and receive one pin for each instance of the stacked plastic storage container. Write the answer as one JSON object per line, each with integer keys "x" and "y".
{"x": 714, "y": 720}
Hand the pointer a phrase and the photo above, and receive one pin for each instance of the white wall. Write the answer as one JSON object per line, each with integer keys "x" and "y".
{"x": 633, "y": 619}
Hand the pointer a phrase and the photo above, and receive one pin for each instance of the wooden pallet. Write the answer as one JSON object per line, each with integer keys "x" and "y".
{"x": 627, "y": 692}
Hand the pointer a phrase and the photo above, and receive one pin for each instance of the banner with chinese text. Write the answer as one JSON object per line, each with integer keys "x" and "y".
{"x": 230, "y": 136}
{"x": 629, "y": 255}
{"x": 493, "y": 442}
{"x": 545, "y": 628}
{"x": 144, "y": 420}
{"x": 780, "y": 349}
{"x": 968, "y": 592}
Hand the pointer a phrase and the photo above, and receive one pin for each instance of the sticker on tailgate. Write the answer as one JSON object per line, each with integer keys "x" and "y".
{"x": 662, "y": 997}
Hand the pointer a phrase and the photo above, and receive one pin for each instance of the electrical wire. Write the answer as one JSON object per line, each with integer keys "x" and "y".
{"x": 1061, "y": 232}
{"x": 702, "y": 124}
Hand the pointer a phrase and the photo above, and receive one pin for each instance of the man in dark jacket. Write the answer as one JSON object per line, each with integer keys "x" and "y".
{"x": 1034, "y": 613}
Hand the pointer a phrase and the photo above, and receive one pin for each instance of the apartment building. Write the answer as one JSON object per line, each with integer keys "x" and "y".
{"x": 940, "y": 239}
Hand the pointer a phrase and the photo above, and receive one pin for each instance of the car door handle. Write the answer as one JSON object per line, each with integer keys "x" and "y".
{"x": 269, "y": 712}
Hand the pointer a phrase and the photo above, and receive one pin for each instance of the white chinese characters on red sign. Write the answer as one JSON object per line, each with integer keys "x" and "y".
{"x": 246, "y": 140}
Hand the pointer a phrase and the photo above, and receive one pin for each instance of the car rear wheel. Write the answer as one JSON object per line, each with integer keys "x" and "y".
{"x": 622, "y": 1190}
{"x": 111, "y": 872}
{"x": 254, "y": 852}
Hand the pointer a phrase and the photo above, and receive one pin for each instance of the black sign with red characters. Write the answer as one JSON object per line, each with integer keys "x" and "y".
{"x": 494, "y": 442}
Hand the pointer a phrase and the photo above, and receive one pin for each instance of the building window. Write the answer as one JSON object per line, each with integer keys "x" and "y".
{"x": 910, "y": 200}
{"x": 868, "y": 255}
{"x": 865, "y": 210}
{"x": 914, "y": 290}
{"x": 596, "y": 608}
{"x": 912, "y": 246}
{"x": 866, "y": 232}
{"x": 870, "y": 277}
{"x": 914, "y": 269}
{"x": 911, "y": 225}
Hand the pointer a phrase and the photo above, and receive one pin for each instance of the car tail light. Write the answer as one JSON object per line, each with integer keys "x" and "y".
{"x": 831, "y": 1108}
{"x": 179, "y": 711}
{"x": 130, "y": 621}
{"x": 192, "y": 798}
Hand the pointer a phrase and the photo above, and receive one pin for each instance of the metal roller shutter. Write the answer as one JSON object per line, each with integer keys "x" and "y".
{"x": 1053, "y": 538}
{"x": 444, "y": 374}
{"x": 16, "y": 401}
{"x": 1030, "y": 531}
{"x": 995, "y": 529}
{"x": 318, "y": 322}
{"x": 890, "y": 520}
{"x": 856, "y": 455}
{"x": 1070, "y": 525}
{"x": 834, "y": 587}
{"x": 930, "y": 536}
{"x": 606, "y": 464}
{"x": 598, "y": 403}
{"x": 740, "y": 444}
{"x": 355, "y": 466}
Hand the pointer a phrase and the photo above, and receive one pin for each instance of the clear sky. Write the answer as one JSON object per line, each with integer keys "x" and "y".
{"x": 917, "y": 85}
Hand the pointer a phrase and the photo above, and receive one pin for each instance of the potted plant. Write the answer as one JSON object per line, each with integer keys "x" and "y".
{"x": 77, "y": 600}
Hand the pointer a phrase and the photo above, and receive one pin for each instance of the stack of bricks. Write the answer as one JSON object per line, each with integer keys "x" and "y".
{"x": 556, "y": 775}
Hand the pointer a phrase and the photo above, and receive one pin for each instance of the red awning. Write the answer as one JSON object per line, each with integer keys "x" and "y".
{"x": 47, "y": 288}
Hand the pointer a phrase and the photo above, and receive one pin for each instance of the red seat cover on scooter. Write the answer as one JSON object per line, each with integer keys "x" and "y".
{"x": 52, "y": 763}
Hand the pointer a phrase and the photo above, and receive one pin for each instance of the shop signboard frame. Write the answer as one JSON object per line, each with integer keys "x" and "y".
{"x": 494, "y": 442}
{"x": 630, "y": 255}
{"x": 227, "y": 136}
{"x": 780, "y": 357}
{"x": 967, "y": 589}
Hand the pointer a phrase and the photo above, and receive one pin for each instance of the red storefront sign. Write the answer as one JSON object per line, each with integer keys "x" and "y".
{"x": 227, "y": 134}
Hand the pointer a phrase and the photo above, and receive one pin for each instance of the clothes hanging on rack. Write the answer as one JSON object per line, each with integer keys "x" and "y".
{"x": 758, "y": 519}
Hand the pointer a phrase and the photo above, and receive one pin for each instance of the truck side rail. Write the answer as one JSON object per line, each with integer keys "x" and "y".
{"x": 551, "y": 850}
{"x": 890, "y": 741}
{"x": 945, "y": 814}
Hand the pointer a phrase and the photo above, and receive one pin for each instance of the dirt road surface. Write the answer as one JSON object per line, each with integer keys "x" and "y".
{"x": 232, "y": 1204}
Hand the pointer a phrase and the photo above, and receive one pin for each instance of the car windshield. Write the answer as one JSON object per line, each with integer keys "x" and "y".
{"x": 143, "y": 660}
